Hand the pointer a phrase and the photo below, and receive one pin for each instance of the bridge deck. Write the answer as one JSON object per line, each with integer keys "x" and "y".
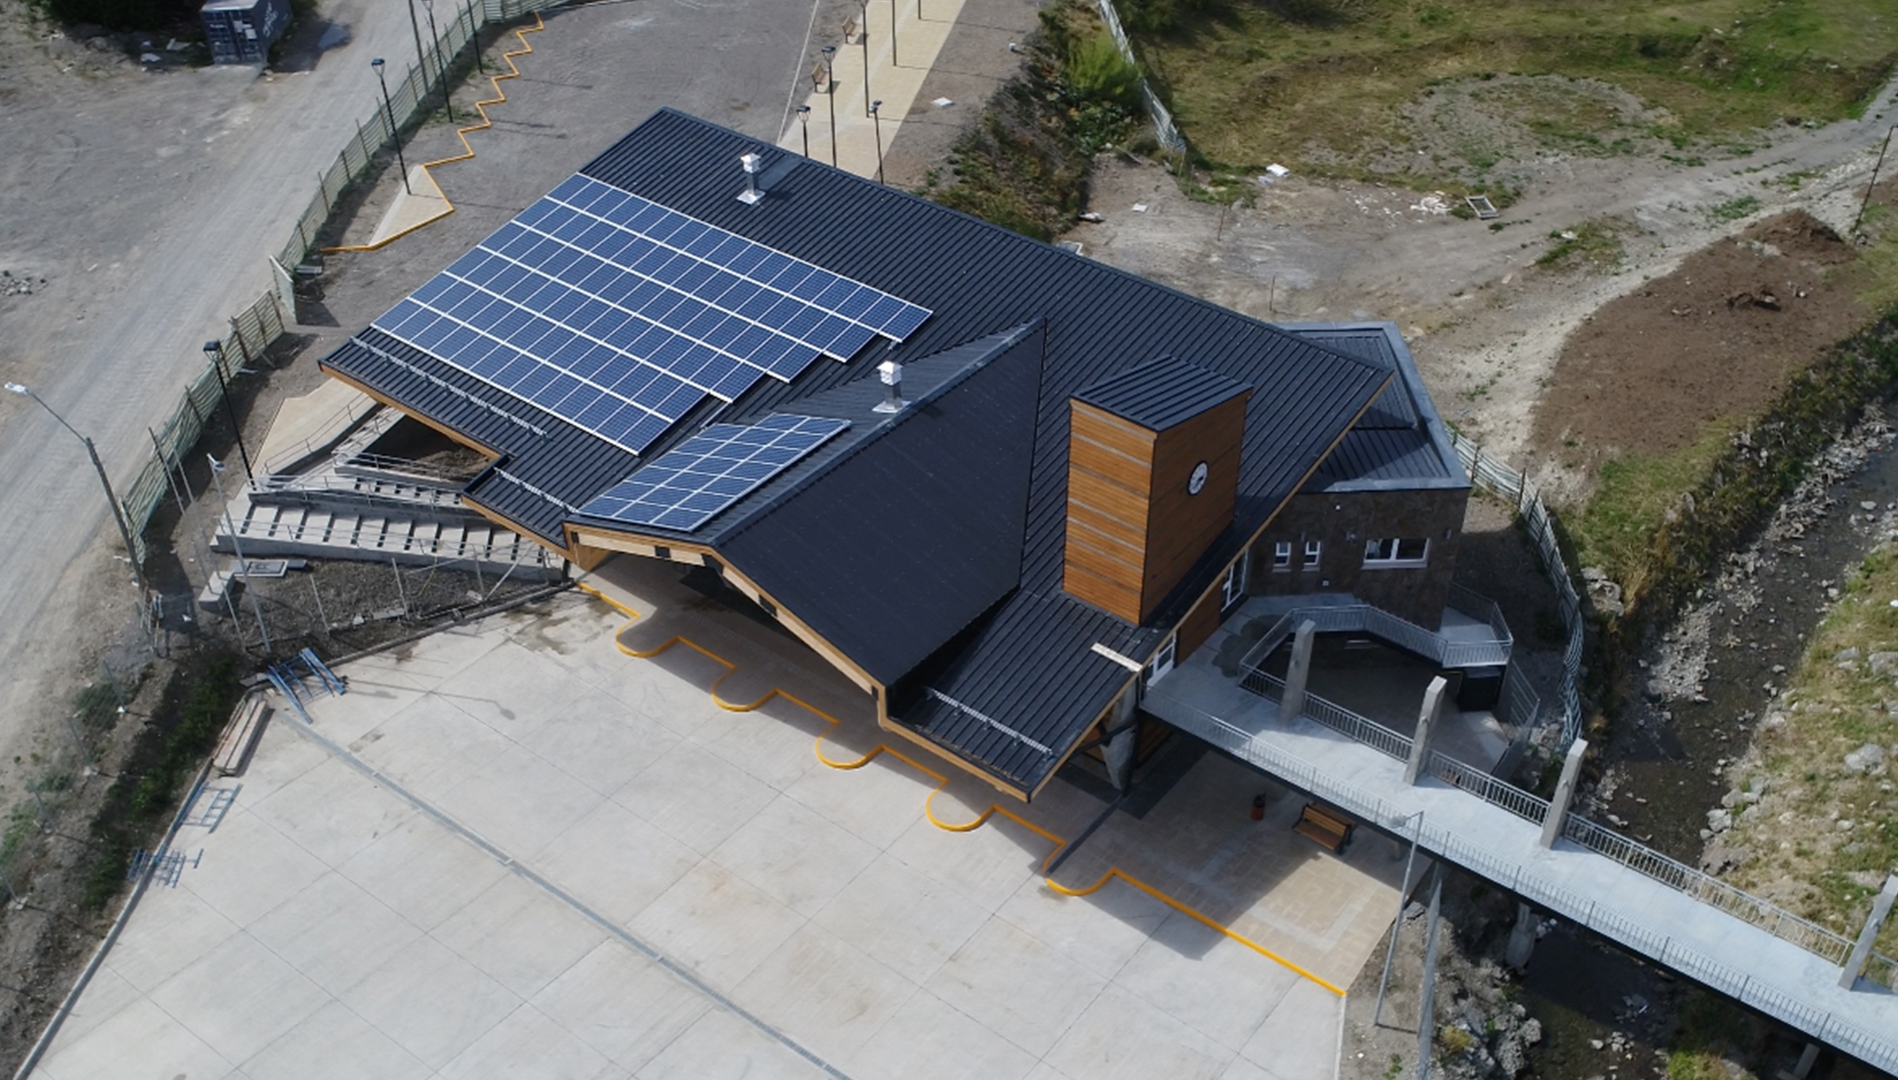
{"x": 1645, "y": 916}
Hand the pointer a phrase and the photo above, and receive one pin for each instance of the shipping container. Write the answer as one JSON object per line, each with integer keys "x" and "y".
{"x": 242, "y": 31}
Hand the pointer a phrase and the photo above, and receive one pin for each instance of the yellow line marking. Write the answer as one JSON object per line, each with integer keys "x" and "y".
{"x": 468, "y": 152}
{"x": 942, "y": 783}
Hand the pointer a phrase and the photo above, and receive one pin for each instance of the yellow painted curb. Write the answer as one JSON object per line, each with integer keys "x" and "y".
{"x": 942, "y": 782}
{"x": 513, "y": 72}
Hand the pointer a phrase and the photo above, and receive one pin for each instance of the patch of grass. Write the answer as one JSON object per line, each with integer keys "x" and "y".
{"x": 1024, "y": 163}
{"x": 1733, "y": 209}
{"x": 1592, "y": 245}
{"x": 183, "y": 729}
{"x": 1711, "y": 1032}
{"x": 1319, "y": 84}
{"x": 1633, "y": 495}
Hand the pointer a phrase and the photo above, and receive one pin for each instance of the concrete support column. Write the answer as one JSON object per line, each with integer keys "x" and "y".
{"x": 1564, "y": 793}
{"x": 1881, "y": 909}
{"x": 1119, "y": 750}
{"x": 1522, "y": 938}
{"x": 1426, "y": 720}
{"x": 1806, "y": 1057}
{"x": 1293, "y": 703}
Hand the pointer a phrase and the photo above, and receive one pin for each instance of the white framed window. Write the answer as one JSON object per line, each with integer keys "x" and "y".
{"x": 1396, "y": 552}
{"x": 1313, "y": 551}
{"x": 1162, "y": 661}
{"x": 1282, "y": 555}
{"x": 1233, "y": 589}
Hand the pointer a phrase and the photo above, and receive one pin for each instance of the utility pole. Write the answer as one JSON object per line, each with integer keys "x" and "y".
{"x": 237, "y": 545}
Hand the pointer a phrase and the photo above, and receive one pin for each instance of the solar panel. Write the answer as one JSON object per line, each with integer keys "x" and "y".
{"x": 685, "y": 486}
{"x": 619, "y": 315}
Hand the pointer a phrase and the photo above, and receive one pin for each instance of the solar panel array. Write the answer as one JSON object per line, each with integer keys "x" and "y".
{"x": 685, "y": 486}
{"x": 619, "y": 315}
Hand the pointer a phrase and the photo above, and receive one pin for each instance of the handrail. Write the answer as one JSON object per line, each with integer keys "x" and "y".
{"x": 1407, "y": 635}
{"x": 405, "y": 467}
{"x": 345, "y": 418}
{"x": 1812, "y": 1018}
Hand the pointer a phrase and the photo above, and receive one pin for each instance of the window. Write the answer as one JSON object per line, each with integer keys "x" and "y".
{"x": 1234, "y": 589}
{"x": 1313, "y": 549}
{"x": 1162, "y": 661}
{"x": 1396, "y": 552}
{"x": 1282, "y": 555}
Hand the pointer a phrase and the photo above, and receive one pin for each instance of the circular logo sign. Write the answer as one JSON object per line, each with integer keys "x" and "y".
{"x": 1198, "y": 480}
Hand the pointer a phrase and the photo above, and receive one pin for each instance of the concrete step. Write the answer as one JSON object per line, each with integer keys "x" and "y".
{"x": 280, "y": 530}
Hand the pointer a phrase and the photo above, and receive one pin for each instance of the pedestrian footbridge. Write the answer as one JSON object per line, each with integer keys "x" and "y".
{"x": 1673, "y": 914}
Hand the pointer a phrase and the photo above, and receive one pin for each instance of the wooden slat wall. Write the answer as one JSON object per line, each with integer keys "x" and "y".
{"x": 1109, "y": 470}
{"x": 1181, "y": 525}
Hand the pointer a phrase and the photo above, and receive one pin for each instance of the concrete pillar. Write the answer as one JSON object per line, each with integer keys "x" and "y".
{"x": 1564, "y": 792}
{"x": 1806, "y": 1057}
{"x": 1119, "y": 750}
{"x": 1522, "y": 938}
{"x": 1881, "y": 909}
{"x": 1293, "y": 703}
{"x": 1426, "y": 720}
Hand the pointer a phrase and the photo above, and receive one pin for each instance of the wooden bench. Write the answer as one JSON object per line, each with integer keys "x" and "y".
{"x": 1326, "y": 828}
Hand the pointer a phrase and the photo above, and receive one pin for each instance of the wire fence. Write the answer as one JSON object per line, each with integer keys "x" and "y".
{"x": 1501, "y": 480}
{"x": 254, "y": 330}
{"x": 1164, "y": 129}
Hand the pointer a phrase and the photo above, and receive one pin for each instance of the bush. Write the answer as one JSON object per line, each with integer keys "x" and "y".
{"x": 1097, "y": 72}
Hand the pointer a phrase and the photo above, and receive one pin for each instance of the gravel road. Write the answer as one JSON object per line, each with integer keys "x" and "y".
{"x": 147, "y": 201}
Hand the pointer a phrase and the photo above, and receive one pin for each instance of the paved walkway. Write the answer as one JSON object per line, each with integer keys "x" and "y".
{"x": 1732, "y": 956}
{"x": 512, "y": 850}
{"x": 922, "y": 26}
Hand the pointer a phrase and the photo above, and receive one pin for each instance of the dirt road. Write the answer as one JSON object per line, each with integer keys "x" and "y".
{"x": 147, "y": 201}
{"x": 1485, "y": 322}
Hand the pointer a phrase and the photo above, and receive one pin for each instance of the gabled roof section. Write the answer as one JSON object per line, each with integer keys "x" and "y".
{"x": 892, "y": 546}
{"x": 1399, "y": 443}
{"x": 1162, "y": 394}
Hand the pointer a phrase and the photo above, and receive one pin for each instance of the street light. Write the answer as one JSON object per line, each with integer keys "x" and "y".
{"x": 804, "y": 117}
{"x": 237, "y": 546}
{"x": 441, "y": 64}
{"x": 118, "y": 516}
{"x": 394, "y": 135}
{"x": 214, "y": 352}
{"x": 878, "y": 122}
{"x": 893, "y": 62}
{"x": 863, "y": 39}
{"x": 830, "y": 95}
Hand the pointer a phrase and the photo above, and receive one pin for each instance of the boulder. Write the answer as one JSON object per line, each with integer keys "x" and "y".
{"x": 1869, "y": 759}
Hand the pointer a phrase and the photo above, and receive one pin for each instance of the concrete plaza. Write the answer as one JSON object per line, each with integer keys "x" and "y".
{"x": 514, "y": 850}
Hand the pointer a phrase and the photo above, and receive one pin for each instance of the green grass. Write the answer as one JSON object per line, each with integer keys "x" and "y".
{"x": 1633, "y": 495}
{"x": 1592, "y": 245}
{"x": 1318, "y": 83}
{"x": 1733, "y": 209}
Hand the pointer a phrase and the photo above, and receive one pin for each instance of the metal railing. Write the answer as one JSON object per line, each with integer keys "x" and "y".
{"x": 1406, "y": 635}
{"x": 343, "y": 419}
{"x": 1164, "y": 129}
{"x": 1488, "y": 788}
{"x": 1501, "y": 480}
{"x": 407, "y": 469}
{"x": 1781, "y": 1001}
{"x": 328, "y": 488}
{"x": 1334, "y": 716}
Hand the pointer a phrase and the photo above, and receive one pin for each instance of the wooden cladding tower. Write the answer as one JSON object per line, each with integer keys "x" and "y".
{"x": 1153, "y": 471}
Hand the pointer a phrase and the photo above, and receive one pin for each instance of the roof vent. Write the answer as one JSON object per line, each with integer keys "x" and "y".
{"x": 752, "y": 163}
{"x": 892, "y": 374}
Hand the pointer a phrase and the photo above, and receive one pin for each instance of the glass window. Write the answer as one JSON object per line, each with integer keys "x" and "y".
{"x": 1396, "y": 552}
{"x": 1313, "y": 549}
{"x": 1282, "y": 555}
{"x": 1234, "y": 589}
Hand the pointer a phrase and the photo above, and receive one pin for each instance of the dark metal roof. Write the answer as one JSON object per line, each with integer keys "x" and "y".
{"x": 1161, "y": 394}
{"x": 1399, "y": 443}
{"x": 1021, "y": 677}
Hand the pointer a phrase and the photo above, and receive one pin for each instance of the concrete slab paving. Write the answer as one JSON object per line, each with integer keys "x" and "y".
{"x": 595, "y": 870}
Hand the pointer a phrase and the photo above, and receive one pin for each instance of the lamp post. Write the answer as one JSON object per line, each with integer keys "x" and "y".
{"x": 893, "y": 62}
{"x": 804, "y": 117}
{"x": 421, "y": 58}
{"x": 877, "y": 121}
{"x": 830, "y": 95}
{"x": 474, "y": 37}
{"x": 214, "y": 352}
{"x": 441, "y": 64}
{"x": 237, "y": 546}
{"x": 112, "y": 500}
{"x": 394, "y": 135}
{"x": 863, "y": 39}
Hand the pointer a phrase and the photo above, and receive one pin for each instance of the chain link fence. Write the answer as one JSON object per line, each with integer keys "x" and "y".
{"x": 1163, "y": 127}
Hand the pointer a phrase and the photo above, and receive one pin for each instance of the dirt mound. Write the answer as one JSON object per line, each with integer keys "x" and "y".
{"x": 1714, "y": 340}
